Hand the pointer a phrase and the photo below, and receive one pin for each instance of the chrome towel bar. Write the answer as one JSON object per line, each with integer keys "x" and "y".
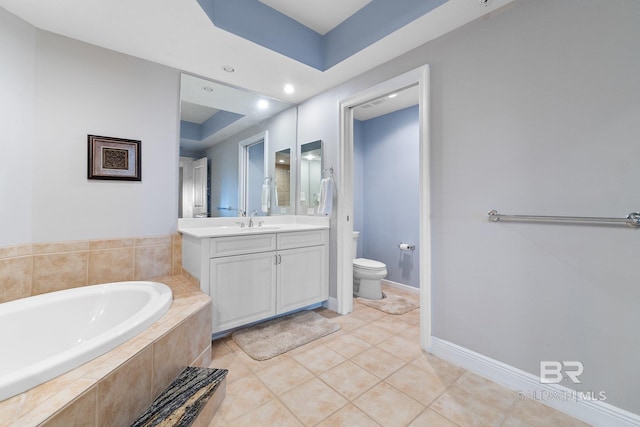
{"x": 632, "y": 220}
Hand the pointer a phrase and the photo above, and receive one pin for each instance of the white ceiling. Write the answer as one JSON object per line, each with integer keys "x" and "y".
{"x": 178, "y": 33}
{"x": 319, "y": 15}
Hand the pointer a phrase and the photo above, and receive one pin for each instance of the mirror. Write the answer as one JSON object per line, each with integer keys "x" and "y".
{"x": 283, "y": 180}
{"x": 215, "y": 119}
{"x": 310, "y": 176}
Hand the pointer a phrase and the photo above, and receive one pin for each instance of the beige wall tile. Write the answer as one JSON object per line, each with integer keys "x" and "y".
{"x": 177, "y": 259}
{"x": 15, "y": 278}
{"x": 57, "y": 247}
{"x": 180, "y": 347}
{"x": 54, "y": 272}
{"x": 154, "y": 240}
{"x": 110, "y": 265}
{"x": 153, "y": 261}
{"x": 16, "y": 251}
{"x": 110, "y": 244}
{"x": 81, "y": 412}
{"x": 125, "y": 394}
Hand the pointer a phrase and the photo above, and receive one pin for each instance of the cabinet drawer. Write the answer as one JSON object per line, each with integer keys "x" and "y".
{"x": 301, "y": 239}
{"x": 236, "y": 245}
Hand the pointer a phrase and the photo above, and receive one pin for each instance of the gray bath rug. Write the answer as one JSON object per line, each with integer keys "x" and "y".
{"x": 391, "y": 303}
{"x": 273, "y": 337}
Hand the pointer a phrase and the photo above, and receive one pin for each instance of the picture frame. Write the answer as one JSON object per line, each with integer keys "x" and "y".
{"x": 113, "y": 158}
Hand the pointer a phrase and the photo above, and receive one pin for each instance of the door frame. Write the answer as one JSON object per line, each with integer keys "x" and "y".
{"x": 344, "y": 220}
{"x": 243, "y": 152}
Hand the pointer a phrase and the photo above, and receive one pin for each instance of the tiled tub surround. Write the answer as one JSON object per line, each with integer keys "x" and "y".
{"x": 33, "y": 269}
{"x": 116, "y": 387}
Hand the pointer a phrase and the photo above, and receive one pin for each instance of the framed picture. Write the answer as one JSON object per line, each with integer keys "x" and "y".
{"x": 113, "y": 158}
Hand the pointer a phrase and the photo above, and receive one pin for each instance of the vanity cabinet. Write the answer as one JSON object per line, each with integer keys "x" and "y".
{"x": 255, "y": 277}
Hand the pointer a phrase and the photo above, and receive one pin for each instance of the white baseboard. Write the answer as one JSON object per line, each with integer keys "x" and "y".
{"x": 401, "y": 286}
{"x": 595, "y": 412}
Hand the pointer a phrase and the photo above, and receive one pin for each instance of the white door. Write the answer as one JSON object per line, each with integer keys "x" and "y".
{"x": 200, "y": 188}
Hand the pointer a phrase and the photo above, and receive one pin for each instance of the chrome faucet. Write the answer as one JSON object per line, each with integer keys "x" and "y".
{"x": 251, "y": 218}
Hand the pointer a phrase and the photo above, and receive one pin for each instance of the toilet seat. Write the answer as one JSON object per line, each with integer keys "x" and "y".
{"x": 368, "y": 264}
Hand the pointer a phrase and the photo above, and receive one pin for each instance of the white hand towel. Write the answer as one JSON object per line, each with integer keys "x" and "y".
{"x": 326, "y": 196}
{"x": 266, "y": 196}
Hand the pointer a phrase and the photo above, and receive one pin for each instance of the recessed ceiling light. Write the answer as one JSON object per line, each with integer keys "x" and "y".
{"x": 228, "y": 68}
{"x": 262, "y": 104}
{"x": 288, "y": 88}
{"x": 281, "y": 160}
{"x": 393, "y": 95}
{"x": 207, "y": 88}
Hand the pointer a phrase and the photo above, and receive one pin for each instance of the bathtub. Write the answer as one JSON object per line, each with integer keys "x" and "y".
{"x": 47, "y": 335}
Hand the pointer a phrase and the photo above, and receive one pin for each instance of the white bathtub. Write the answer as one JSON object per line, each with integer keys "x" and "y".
{"x": 47, "y": 335}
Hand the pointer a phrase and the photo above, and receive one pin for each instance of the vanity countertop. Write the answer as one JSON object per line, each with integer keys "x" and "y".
{"x": 209, "y": 227}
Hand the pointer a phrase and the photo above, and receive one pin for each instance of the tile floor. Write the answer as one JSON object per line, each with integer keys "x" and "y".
{"x": 371, "y": 372}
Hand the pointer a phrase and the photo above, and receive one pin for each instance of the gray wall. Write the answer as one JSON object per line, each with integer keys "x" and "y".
{"x": 17, "y": 89}
{"x": 59, "y": 90}
{"x": 534, "y": 110}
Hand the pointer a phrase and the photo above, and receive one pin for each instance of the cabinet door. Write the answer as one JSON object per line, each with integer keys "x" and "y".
{"x": 243, "y": 289}
{"x": 302, "y": 277}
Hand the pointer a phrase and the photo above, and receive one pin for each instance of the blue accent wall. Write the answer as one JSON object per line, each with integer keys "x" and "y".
{"x": 265, "y": 26}
{"x": 386, "y": 202}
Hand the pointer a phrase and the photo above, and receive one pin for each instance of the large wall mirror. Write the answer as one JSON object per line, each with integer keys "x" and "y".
{"x": 231, "y": 144}
{"x": 310, "y": 176}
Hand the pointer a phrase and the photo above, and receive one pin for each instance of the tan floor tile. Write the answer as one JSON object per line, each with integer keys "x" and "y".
{"x": 447, "y": 372}
{"x": 243, "y": 396}
{"x": 372, "y": 334}
{"x": 378, "y": 362}
{"x": 272, "y": 413}
{"x": 349, "y": 416}
{"x": 388, "y": 406}
{"x": 418, "y": 384}
{"x": 392, "y": 324}
{"x": 412, "y": 317}
{"x": 430, "y": 418}
{"x": 466, "y": 410}
{"x": 219, "y": 348}
{"x": 412, "y": 333}
{"x": 401, "y": 348}
{"x": 348, "y": 345}
{"x": 284, "y": 376}
{"x": 349, "y": 379}
{"x": 367, "y": 314}
{"x": 319, "y": 359}
{"x": 348, "y": 323}
{"x": 529, "y": 413}
{"x": 484, "y": 389}
{"x": 232, "y": 362}
{"x": 313, "y": 401}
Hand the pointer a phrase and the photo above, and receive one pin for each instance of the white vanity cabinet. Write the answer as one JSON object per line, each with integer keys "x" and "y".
{"x": 256, "y": 276}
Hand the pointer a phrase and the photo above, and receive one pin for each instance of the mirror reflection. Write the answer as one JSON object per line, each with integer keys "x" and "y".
{"x": 283, "y": 179}
{"x": 310, "y": 175}
{"x": 218, "y": 124}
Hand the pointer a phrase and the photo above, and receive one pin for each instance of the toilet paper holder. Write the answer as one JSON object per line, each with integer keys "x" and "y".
{"x": 406, "y": 246}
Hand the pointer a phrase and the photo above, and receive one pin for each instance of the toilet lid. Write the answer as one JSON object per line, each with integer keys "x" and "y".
{"x": 368, "y": 263}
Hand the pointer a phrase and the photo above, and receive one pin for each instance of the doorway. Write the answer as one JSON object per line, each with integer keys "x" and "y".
{"x": 252, "y": 171}
{"x": 344, "y": 221}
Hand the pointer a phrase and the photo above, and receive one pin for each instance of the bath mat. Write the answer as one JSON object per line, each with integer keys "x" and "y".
{"x": 273, "y": 337}
{"x": 391, "y": 303}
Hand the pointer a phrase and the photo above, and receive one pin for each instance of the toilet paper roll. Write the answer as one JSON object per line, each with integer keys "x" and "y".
{"x": 407, "y": 246}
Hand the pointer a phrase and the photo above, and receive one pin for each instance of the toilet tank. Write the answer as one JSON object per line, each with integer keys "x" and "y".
{"x": 354, "y": 248}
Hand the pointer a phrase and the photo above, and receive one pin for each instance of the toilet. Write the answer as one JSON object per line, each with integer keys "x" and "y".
{"x": 367, "y": 274}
